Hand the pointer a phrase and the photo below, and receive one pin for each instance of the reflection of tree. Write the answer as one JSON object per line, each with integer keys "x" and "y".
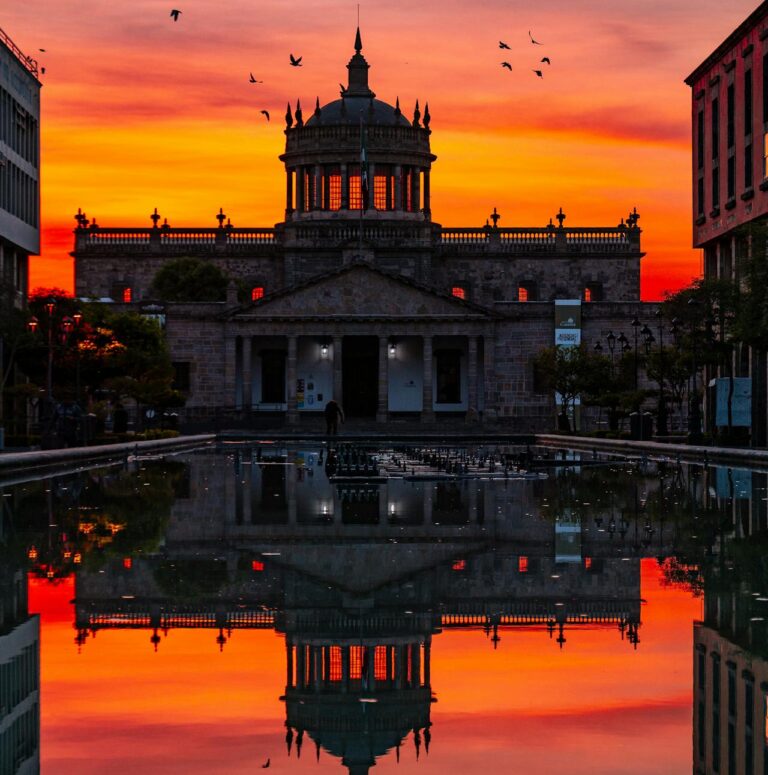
{"x": 91, "y": 516}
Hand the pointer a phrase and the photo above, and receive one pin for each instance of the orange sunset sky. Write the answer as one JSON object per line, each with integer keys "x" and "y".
{"x": 141, "y": 112}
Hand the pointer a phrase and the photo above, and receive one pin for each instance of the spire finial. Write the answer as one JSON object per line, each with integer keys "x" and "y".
{"x": 358, "y": 40}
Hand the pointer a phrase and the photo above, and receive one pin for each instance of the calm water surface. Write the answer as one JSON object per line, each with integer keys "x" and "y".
{"x": 213, "y": 611}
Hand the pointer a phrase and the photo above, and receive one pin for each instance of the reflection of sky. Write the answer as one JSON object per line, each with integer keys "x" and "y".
{"x": 526, "y": 707}
{"x": 139, "y": 111}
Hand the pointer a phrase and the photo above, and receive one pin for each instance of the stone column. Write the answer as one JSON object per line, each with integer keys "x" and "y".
{"x": 345, "y": 669}
{"x": 247, "y": 372}
{"x": 317, "y": 203}
{"x": 288, "y": 192}
{"x": 228, "y": 398}
{"x": 489, "y": 377}
{"x": 293, "y": 412}
{"x": 427, "y": 206}
{"x": 427, "y": 656}
{"x": 398, "y": 187}
{"x": 289, "y": 663}
{"x": 416, "y": 195}
{"x": 337, "y": 372}
{"x": 388, "y": 187}
{"x": 301, "y": 672}
{"x": 383, "y": 404}
{"x": 239, "y": 372}
{"x": 415, "y": 665}
{"x": 317, "y": 666}
{"x": 371, "y": 185}
{"x": 299, "y": 189}
{"x": 344, "y": 187}
{"x": 427, "y": 409}
{"x": 472, "y": 374}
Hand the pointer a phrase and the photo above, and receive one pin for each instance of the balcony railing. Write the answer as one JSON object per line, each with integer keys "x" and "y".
{"x": 26, "y": 62}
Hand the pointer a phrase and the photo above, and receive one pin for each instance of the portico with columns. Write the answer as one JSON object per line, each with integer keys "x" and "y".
{"x": 285, "y": 357}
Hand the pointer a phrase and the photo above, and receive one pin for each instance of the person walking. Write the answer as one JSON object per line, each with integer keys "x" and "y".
{"x": 333, "y": 413}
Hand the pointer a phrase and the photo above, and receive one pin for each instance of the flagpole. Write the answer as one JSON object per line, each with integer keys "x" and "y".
{"x": 363, "y": 158}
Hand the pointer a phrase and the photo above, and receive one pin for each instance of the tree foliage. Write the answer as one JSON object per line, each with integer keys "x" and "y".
{"x": 190, "y": 279}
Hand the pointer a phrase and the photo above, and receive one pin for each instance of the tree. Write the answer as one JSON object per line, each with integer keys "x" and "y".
{"x": 567, "y": 371}
{"x": 189, "y": 279}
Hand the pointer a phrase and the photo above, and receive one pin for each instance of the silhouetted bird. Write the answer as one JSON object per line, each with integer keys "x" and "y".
{"x": 507, "y": 65}
{"x": 539, "y": 73}
{"x": 253, "y": 80}
{"x": 502, "y": 44}
{"x": 535, "y": 42}
{"x": 266, "y": 113}
{"x": 546, "y": 59}
{"x": 42, "y": 71}
{"x": 175, "y": 14}
{"x": 265, "y": 765}
{"x": 42, "y": 49}
{"x": 296, "y": 62}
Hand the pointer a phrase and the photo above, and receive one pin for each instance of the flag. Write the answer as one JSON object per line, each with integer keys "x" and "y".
{"x": 364, "y": 188}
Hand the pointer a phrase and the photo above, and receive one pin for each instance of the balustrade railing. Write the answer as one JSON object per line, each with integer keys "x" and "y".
{"x": 450, "y": 240}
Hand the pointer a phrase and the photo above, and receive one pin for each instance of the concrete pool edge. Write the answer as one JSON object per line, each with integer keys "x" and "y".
{"x": 43, "y": 460}
{"x": 732, "y": 456}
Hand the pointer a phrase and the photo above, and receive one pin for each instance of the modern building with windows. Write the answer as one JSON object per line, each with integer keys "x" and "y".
{"x": 359, "y": 295}
{"x": 730, "y": 171}
{"x": 19, "y": 169}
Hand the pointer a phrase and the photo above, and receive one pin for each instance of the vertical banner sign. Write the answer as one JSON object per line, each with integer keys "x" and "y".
{"x": 568, "y": 334}
{"x": 568, "y": 322}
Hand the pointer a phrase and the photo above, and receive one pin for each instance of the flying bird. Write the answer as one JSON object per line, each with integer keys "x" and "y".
{"x": 266, "y": 113}
{"x": 42, "y": 71}
{"x": 265, "y": 765}
{"x": 546, "y": 59}
{"x": 42, "y": 49}
{"x": 253, "y": 80}
{"x": 296, "y": 62}
{"x": 535, "y": 42}
{"x": 175, "y": 14}
{"x": 502, "y": 44}
{"x": 539, "y": 73}
{"x": 507, "y": 65}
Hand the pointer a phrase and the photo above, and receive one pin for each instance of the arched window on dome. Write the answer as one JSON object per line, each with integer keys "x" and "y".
{"x": 459, "y": 291}
{"x": 333, "y": 188}
{"x": 355, "y": 194}
{"x": 257, "y": 292}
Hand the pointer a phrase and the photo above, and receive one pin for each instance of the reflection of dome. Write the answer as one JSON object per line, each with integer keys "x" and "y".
{"x": 358, "y": 732}
{"x": 358, "y": 701}
{"x": 349, "y": 110}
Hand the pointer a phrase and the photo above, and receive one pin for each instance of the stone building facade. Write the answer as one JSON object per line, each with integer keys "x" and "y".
{"x": 360, "y": 296}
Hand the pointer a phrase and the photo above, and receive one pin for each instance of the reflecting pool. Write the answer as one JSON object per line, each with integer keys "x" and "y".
{"x": 410, "y": 610}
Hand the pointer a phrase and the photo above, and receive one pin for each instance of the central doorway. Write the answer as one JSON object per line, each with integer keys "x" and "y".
{"x": 360, "y": 375}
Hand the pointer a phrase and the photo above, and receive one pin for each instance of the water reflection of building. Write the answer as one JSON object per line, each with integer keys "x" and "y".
{"x": 730, "y": 706}
{"x": 19, "y": 676}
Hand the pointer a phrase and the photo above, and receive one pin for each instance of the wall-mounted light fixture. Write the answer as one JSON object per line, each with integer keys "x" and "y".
{"x": 392, "y": 348}
{"x": 324, "y": 350}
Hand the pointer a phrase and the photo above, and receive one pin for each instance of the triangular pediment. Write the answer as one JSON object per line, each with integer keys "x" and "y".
{"x": 361, "y": 291}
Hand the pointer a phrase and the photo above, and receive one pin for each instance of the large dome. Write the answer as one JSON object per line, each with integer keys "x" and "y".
{"x": 349, "y": 110}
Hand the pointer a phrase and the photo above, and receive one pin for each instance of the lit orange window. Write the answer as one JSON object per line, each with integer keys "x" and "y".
{"x": 522, "y": 564}
{"x": 587, "y": 294}
{"x": 127, "y": 563}
{"x": 127, "y": 295}
{"x": 459, "y": 565}
{"x": 587, "y": 563}
{"x": 257, "y": 565}
{"x": 522, "y": 293}
{"x": 257, "y": 293}
{"x": 458, "y": 292}
{"x": 380, "y": 192}
{"x": 334, "y": 191}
